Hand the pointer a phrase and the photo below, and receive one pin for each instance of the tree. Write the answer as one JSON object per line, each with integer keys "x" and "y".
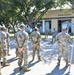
{"x": 70, "y": 3}
{"x": 27, "y": 11}
{"x": 33, "y": 10}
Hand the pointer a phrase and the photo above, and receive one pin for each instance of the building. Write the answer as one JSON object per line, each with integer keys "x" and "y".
{"x": 55, "y": 19}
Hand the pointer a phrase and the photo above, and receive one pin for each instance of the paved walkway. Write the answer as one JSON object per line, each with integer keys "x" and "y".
{"x": 48, "y": 65}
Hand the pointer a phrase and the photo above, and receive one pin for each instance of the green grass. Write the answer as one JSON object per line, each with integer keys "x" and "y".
{"x": 42, "y": 36}
{"x": 11, "y": 35}
{"x": 71, "y": 36}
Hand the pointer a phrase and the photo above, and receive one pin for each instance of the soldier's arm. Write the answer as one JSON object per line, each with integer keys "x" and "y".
{"x": 15, "y": 39}
{"x": 26, "y": 37}
{"x": 58, "y": 37}
{"x": 69, "y": 39}
{"x": 39, "y": 37}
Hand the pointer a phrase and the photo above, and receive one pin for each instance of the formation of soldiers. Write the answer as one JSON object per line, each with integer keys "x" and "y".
{"x": 21, "y": 38}
{"x": 4, "y": 46}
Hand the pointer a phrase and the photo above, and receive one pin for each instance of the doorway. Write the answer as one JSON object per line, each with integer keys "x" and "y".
{"x": 64, "y": 22}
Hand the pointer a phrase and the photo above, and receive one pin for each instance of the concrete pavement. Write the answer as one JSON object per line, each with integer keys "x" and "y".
{"x": 48, "y": 65}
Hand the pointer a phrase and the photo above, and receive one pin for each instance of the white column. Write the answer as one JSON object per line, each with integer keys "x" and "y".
{"x": 43, "y": 26}
{"x": 72, "y": 27}
{"x": 54, "y": 24}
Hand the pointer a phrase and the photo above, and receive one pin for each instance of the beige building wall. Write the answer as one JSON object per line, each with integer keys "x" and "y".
{"x": 56, "y": 15}
{"x": 54, "y": 24}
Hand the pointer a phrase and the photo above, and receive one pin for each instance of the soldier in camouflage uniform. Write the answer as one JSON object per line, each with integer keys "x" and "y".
{"x": 46, "y": 33}
{"x": 35, "y": 39}
{"x": 21, "y": 38}
{"x": 63, "y": 38}
{"x": 54, "y": 33}
{"x": 3, "y": 47}
{"x": 16, "y": 41}
{"x": 0, "y": 49}
{"x": 8, "y": 40}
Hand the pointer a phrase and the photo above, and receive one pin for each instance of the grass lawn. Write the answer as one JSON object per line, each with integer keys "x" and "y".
{"x": 42, "y": 36}
{"x": 11, "y": 35}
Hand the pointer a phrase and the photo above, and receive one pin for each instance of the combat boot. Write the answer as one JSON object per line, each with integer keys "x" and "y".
{"x": 20, "y": 68}
{"x": 8, "y": 54}
{"x": 33, "y": 58}
{"x": 39, "y": 59}
{"x": 26, "y": 69}
{"x": 67, "y": 64}
{"x": 5, "y": 64}
{"x": 58, "y": 62}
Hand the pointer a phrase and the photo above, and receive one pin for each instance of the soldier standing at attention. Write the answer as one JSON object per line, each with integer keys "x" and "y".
{"x": 46, "y": 33}
{"x": 35, "y": 39}
{"x": 21, "y": 43}
{"x": 63, "y": 38}
{"x": 3, "y": 46}
{"x": 8, "y": 40}
{"x": 16, "y": 41}
{"x": 1, "y": 52}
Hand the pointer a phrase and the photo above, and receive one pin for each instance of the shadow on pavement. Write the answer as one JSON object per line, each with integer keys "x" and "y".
{"x": 58, "y": 71}
{"x": 12, "y": 59}
{"x": 32, "y": 64}
{"x": 16, "y": 71}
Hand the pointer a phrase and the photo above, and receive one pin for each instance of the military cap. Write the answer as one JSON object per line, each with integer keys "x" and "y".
{"x": 19, "y": 29}
{"x": 1, "y": 26}
{"x": 5, "y": 28}
{"x": 22, "y": 25}
{"x": 36, "y": 28}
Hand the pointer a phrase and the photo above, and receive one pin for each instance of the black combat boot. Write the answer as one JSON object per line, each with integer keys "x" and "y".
{"x": 58, "y": 62}
{"x": 39, "y": 59}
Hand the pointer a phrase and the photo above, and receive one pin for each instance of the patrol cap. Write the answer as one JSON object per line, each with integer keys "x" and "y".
{"x": 4, "y": 28}
{"x": 19, "y": 29}
{"x": 22, "y": 25}
{"x": 64, "y": 27}
{"x": 36, "y": 28}
{"x": 1, "y": 26}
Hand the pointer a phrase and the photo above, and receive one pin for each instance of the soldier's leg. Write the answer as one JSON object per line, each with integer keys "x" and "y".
{"x": 33, "y": 54}
{"x": 16, "y": 52}
{"x": 66, "y": 56}
{"x": 20, "y": 59}
{"x": 38, "y": 52}
{"x": 59, "y": 55}
{"x": 5, "y": 59}
{"x": 25, "y": 56}
{"x": 8, "y": 48}
{"x": 0, "y": 67}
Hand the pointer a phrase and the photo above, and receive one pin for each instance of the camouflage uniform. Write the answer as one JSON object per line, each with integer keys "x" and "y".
{"x": 8, "y": 43}
{"x": 16, "y": 41}
{"x": 3, "y": 47}
{"x": 63, "y": 38}
{"x": 46, "y": 33}
{"x": 0, "y": 50}
{"x": 35, "y": 39}
{"x": 21, "y": 39}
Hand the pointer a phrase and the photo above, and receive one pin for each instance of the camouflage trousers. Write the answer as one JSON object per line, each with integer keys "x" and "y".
{"x": 0, "y": 67}
{"x": 16, "y": 52}
{"x": 23, "y": 55}
{"x": 36, "y": 48}
{"x": 8, "y": 48}
{"x": 3, "y": 54}
{"x": 63, "y": 49}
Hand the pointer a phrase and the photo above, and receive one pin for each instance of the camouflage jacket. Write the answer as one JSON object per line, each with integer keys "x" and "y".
{"x": 63, "y": 38}
{"x": 3, "y": 42}
{"x": 21, "y": 38}
{"x": 35, "y": 37}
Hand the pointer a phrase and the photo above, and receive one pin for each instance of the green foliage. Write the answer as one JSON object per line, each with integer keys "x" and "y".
{"x": 27, "y": 11}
